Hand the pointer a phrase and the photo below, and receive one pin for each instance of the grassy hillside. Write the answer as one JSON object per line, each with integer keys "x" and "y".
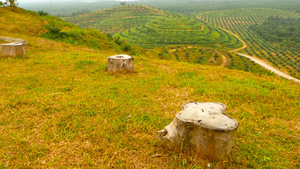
{"x": 60, "y": 108}
{"x": 18, "y": 22}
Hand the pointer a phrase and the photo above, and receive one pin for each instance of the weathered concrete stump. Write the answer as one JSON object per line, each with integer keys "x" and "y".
{"x": 9, "y": 39}
{"x": 12, "y": 49}
{"x": 204, "y": 127}
{"x": 120, "y": 63}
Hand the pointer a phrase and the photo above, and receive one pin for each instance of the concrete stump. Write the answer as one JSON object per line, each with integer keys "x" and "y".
{"x": 120, "y": 64}
{"x": 12, "y": 49}
{"x": 9, "y": 39}
{"x": 204, "y": 127}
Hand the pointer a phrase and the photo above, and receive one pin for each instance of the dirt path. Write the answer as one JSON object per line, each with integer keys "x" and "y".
{"x": 260, "y": 62}
{"x": 244, "y": 43}
{"x": 272, "y": 69}
{"x": 225, "y": 59}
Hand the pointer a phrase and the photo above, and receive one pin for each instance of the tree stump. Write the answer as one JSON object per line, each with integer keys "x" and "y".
{"x": 120, "y": 63}
{"x": 12, "y": 49}
{"x": 9, "y": 40}
{"x": 204, "y": 127}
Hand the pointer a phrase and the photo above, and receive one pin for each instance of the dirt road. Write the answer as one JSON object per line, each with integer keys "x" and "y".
{"x": 244, "y": 43}
{"x": 260, "y": 62}
{"x": 272, "y": 69}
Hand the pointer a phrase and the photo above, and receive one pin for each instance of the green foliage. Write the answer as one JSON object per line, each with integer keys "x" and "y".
{"x": 239, "y": 22}
{"x": 278, "y": 29}
{"x": 12, "y": 3}
{"x": 42, "y": 13}
{"x": 2, "y": 4}
{"x": 65, "y": 32}
{"x": 116, "y": 19}
{"x": 126, "y": 47}
{"x": 178, "y": 29}
{"x": 54, "y": 32}
{"x": 122, "y": 3}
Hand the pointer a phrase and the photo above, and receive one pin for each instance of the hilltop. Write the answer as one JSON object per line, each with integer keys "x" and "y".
{"x": 151, "y": 27}
{"x": 60, "y": 108}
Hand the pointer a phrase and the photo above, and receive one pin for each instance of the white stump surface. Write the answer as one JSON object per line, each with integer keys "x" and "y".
{"x": 120, "y": 63}
{"x": 12, "y": 49}
{"x": 204, "y": 127}
{"x": 9, "y": 40}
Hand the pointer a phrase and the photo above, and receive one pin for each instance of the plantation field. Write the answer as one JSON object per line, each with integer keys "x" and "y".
{"x": 178, "y": 29}
{"x": 116, "y": 19}
{"x": 60, "y": 108}
{"x": 238, "y": 22}
{"x": 207, "y": 56}
{"x": 150, "y": 27}
{"x": 174, "y": 36}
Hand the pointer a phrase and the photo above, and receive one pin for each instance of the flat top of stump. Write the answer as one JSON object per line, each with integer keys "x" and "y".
{"x": 12, "y": 44}
{"x": 207, "y": 115}
{"x": 121, "y": 56}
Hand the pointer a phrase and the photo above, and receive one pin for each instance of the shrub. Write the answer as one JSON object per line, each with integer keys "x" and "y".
{"x": 54, "y": 32}
{"x": 126, "y": 48}
{"x": 42, "y": 13}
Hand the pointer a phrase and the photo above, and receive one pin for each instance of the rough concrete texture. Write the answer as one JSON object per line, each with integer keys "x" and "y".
{"x": 12, "y": 49}
{"x": 205, "y": 127}
{"x": 9, "y": 39}
{"x": 120, "y": 63}
{"x": 208, "y": 115}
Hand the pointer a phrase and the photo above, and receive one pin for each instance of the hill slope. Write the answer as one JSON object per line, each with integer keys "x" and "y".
{"x": 116, "y": 19}
{"x": 59, "y": 107}
{"x": 18, "y": 22}
{"x": 150, "y": 27}
{"x": 191, "y": 40}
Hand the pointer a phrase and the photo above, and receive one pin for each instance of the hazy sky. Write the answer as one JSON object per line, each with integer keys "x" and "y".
{"x": 24, "y": 1}
{"x": 29, "y": 1}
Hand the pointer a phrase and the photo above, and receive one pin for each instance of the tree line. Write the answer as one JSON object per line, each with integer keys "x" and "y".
{"x": 280, "y": 30}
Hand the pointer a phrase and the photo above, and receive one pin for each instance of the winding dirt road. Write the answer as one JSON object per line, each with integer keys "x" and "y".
{"x": 272, "y": 69}
{"x": 244, "y": 43}
{"x": 260, "y": 62}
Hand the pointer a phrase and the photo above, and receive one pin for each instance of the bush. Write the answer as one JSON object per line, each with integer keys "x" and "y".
{"x": 42, "y": 13}
{"x": 54, "y": 32}
{"x": 126, "y": 48}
